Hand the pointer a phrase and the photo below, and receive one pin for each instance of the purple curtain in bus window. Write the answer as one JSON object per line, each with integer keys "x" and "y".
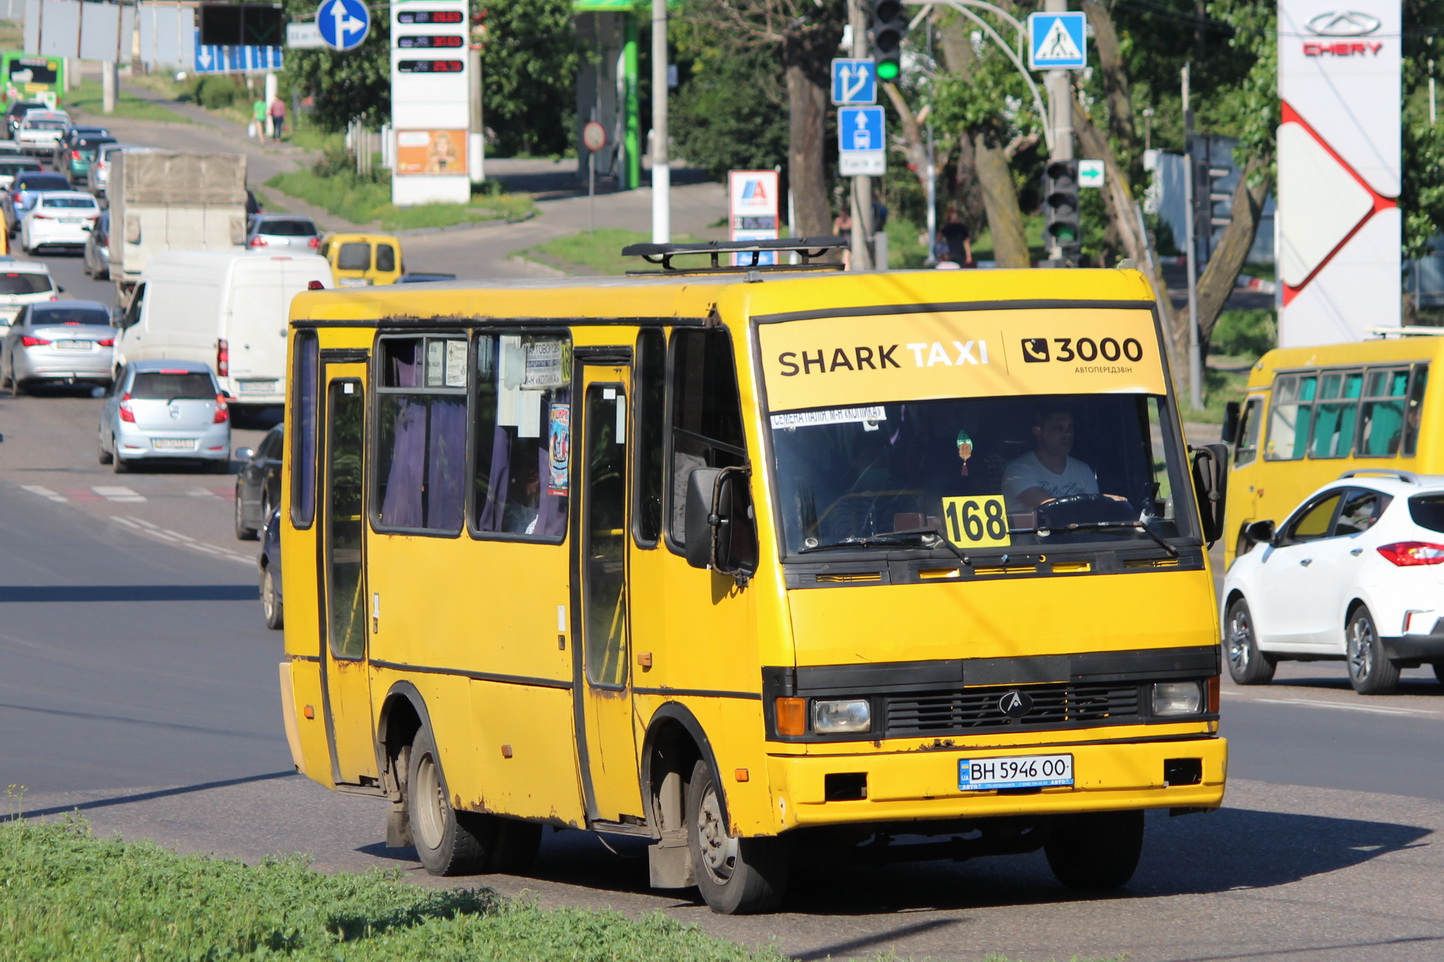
{"x": 401, "y": 506}
{"x": 497, "y": 483}
{"x": 405, "y": 356}
{"x": 446, "y": 464}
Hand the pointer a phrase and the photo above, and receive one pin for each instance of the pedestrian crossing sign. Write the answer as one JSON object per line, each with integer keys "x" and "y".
{"x": 1055, "y": 41}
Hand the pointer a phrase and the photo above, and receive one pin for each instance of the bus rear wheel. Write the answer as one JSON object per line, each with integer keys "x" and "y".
{"x": 1095, "y": 850}
{"x": 735, "y": 876}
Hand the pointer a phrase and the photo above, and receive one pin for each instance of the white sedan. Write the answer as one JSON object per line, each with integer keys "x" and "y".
{"x": 1355, "y": 573}
{"x": 60, "y": 218}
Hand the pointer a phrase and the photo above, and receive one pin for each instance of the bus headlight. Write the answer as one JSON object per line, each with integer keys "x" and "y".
{"x": 833, "y": 717}
{"x": 1176, "y": 698}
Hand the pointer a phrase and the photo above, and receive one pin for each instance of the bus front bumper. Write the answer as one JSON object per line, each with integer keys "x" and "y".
{"x": 1185, "y": 773}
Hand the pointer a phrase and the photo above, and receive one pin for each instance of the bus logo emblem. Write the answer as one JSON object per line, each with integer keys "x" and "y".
{"x": 1015, "y": 704}
{"x": 1035, "y": 349}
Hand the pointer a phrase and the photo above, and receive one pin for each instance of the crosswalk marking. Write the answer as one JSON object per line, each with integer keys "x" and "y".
{"x": 116, "y": 493}
{"x": 43, "y": 491}
{"x": 152, "y": 530}
{"x": 203, "y": 493}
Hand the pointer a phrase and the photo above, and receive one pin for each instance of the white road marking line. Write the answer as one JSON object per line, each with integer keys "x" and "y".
{"x": 152, "y": 530}
{"x": 115, "y": 493}
{"x": 202, "y": 493}
{"x": 1309, "y": 703}
{"x": 43, "y": 491}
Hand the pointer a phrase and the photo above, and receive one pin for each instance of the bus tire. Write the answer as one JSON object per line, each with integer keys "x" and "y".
{"x": 735, "y": 876}
{"x": 1370, "y": 670}
{"x": 1095, "y": 850}
{"x": 447, "y": 842}
{"x": 1246, "y": 664}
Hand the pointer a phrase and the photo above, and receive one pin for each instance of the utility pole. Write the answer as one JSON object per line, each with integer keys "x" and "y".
{"x": 1060, "y": 117}
{"x": 1195, "y": 365}
{"x": 661, "y": 172}
{"x": 861, "y": 194}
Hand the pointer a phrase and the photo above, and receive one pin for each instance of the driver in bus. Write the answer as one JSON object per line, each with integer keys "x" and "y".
{"x": 1048, "y": 472}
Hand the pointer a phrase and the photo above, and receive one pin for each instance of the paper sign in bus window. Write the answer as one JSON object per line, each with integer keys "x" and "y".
{"x": 560, "y": 447}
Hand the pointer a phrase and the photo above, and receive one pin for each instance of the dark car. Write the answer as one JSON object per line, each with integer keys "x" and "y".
{"x": 270, "y": 570}
{"x": 21, "y": 196}
{"x": 258, "y": 484}
{"x": 18, "y": 110}
{"x": 97, "y": 248}
{"x": 71, "y": 136}
{"x": 75, "y": 161}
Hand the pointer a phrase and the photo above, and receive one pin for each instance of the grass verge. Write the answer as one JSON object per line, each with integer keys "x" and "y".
{"x": 89, "y": 98}
{"x": 599, "y": 253}
{"x": 67, "y": 895}
{"x": 363, "y": 201}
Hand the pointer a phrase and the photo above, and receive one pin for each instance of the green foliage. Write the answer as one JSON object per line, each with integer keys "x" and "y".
{"x": 88, "y": 98}
{"x": 66, "y": 896}
{"x": 529, "y": 68}
{"x": 216, "y": 91}
{"x": 728, "y": 116}
{"x": 599, "y": 253}
{"x": 1245, "y": 333}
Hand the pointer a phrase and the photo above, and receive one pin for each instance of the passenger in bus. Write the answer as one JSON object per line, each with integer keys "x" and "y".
{"x": 524, "y": 501}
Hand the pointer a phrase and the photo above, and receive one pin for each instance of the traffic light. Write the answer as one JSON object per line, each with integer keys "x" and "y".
{"x": 1060, "y": 206}
{"x": 889, "y": 23}
{"x": 1212, "y": 201}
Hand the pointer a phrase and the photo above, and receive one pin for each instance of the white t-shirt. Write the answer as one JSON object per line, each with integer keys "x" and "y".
{"x": 1028, "y": 472}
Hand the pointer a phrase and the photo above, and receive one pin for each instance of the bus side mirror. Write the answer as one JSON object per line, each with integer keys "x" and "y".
{"x": 1210, "y": 481}
{"x": 721, "y": 530}
{"x": 1260, "y": 532}
{"x": 1230, "y": 422}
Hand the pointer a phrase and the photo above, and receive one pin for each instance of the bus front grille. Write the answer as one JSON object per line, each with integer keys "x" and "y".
{"x": 1045, "y": 706}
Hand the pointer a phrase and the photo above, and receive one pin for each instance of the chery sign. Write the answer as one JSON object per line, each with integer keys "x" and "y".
{"x": 1339, "y": 169}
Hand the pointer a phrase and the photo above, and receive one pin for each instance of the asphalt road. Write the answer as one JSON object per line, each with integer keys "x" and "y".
{"x": 138, "y": 686}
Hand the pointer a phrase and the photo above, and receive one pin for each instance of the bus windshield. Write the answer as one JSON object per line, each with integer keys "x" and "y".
{"x": 987, "y": 473}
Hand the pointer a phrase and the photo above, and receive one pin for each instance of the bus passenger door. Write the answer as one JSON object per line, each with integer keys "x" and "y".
{"x": 345, "y": 682}
{"x": 605, "y": 739}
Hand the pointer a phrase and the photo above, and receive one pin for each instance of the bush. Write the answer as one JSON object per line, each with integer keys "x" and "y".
{"x": 215, "y": 92}
{"x": 1245, "y": 332}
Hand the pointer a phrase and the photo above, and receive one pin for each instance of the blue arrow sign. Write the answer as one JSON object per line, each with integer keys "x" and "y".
{"x": 859, "y": 128}
{"x": 854, "y": 81}
{"x": 1055, "y": 41}
{"x": 343, "y": 23}
{"x": 216, "y": 58}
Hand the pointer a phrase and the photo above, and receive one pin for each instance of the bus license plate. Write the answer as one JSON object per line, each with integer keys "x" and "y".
{"x": 1014, "y": 771}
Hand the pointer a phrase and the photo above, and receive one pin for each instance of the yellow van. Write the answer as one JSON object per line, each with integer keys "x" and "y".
{"x": 361, "y": 260}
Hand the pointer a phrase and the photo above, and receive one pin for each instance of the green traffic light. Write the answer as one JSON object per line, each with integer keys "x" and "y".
{"x": 888, "y": 70}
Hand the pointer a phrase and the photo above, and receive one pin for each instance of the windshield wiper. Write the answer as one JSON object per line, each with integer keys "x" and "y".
{"x": 926, "y": 537}
{"x": 1102, "y": 526}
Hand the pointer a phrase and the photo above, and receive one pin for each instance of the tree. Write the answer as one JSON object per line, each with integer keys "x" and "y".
{"x": 530, "y": 60}
{"x": 344, "y": 86}
{"x": 731, "y": 114}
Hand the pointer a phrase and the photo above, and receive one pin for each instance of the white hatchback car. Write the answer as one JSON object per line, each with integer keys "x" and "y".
{"x": 21, "y": 283}
{"x": 59, "y": 218}
{"x": 1355, "y": 573}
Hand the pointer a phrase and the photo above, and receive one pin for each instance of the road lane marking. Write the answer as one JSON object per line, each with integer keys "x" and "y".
{"x": 152, "y": 530}
{"x": 203, "y": 493}
{"x": 1309, "y": 703}
{"x": 112, "y": 492}
{"x": 43, "y": 491}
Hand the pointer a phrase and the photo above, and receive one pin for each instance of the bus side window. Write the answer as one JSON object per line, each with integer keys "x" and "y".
{"x": 649, "y": 402}
{"x": 706, "y": 415}
{"x": 1336, "y": 414}
{"x": 305, "y": 399}
{"x": 1246, "y": 449}
{"x": 521, "y": 478}
{"x": 1383, "y": 412}
{"x": 1288, "y": 435}
{"x": 1415, "y": 411}
{"x": 421, "y": 434}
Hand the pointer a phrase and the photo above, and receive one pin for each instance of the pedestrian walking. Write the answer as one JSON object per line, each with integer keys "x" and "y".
{"x": 258, "y": 119}
{"x": 278, "y": 117}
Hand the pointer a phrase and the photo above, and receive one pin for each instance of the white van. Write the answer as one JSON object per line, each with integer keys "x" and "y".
{"x": 227, "y": 309}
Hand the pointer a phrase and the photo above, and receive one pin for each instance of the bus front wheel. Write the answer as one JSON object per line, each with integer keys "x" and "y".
{"x": 1095, "y": 850}
{"x": 448, "y": 842}
{"x": 735, "y": 876}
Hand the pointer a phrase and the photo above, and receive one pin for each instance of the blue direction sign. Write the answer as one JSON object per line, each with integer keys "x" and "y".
{"x": 343, "y": 23}
{"x": 854, "y": 81}
{"x": 1055, "y": 41}
{"x": 859, "y": 128}
{"x": 215, "y": 58}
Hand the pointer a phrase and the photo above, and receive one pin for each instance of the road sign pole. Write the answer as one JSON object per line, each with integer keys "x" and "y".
{"x": 861, "y": 194}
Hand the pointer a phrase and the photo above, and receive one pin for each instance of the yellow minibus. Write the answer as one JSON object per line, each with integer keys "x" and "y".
{"x": 749, "y": 563}
{"x": 1311, "y": 413}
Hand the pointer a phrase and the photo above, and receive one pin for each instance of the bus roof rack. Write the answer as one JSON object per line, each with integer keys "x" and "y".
{"x": 808, "y": 248}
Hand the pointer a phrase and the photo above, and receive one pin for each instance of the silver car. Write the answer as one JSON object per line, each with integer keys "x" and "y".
{"x": 269, "y": 231}
{"x": 166, "y": 410}
{"x": 61, "y": 342}
{"x": 97, "y": 248}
